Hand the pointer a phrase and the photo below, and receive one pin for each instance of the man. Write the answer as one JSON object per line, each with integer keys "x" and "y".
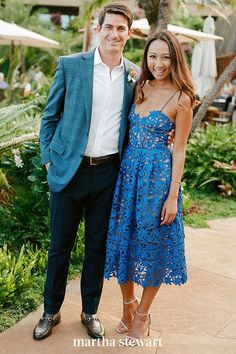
{"x": 82, "y": 134}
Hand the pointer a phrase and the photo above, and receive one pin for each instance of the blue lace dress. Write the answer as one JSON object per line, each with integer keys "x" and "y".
{"x": 138, "y": 248}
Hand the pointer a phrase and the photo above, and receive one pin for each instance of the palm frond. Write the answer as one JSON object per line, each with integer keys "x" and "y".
{"x": 20, "y": 119}
{"x": 18, "y": 141}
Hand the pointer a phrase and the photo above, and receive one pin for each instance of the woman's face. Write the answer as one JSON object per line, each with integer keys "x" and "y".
{"x": 158, "y": 60}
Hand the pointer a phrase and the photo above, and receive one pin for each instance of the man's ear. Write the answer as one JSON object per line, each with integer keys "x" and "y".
{"x": 130, "y": 31}
{"x": 98, "y": 28}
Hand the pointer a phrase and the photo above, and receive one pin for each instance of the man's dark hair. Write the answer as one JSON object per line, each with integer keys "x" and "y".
{"x": 118, "y": 9}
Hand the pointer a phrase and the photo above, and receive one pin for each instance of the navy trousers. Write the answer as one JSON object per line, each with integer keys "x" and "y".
{"x": 90, "y": 194}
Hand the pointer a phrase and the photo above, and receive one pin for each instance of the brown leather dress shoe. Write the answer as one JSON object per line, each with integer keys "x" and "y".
{"x": 43, "y": 329}
{"x": 94, "y": 327}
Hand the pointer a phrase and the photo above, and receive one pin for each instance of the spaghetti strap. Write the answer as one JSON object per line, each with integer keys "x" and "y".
{"x": 169, "y": 100}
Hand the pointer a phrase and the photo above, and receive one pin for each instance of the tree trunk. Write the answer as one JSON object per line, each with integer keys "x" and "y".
{"x": 151, "y": 8}
{"x": 163, "y": 17}
{"x": 87, "y": 36}
{"x": 211, "y": 95}
{"x": 89, "y": 7}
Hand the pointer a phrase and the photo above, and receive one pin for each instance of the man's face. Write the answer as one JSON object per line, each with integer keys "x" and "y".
{"x": 114, "y": 33}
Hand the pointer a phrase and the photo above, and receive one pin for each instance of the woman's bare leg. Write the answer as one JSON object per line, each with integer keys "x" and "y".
{"x": 129, "y": 306}
{"x": 141, "y": 321}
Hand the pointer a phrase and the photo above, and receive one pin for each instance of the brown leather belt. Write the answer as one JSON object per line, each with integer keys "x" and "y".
{"x": 94, "y": 161}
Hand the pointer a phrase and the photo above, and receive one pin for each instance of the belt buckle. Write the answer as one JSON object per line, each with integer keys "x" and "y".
{"x": 91, "y": 162}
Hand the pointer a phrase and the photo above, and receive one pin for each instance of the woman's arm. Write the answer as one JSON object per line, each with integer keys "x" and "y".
{"x": 183, "y": 122}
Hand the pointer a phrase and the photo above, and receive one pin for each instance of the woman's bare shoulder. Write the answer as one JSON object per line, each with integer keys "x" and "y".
{"x": 184, "y": 100}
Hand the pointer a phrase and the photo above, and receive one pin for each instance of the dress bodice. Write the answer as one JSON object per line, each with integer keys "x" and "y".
{"x": 149, "y": 131}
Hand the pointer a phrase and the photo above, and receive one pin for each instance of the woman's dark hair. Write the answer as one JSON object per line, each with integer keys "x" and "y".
{"x": 180, "y": 72}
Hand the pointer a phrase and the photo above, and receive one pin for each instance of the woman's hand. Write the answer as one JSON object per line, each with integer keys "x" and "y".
{"x": 169, "y": 211}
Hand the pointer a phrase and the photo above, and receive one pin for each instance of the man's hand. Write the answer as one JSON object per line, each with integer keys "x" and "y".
{"x": 171, "y": 138}
{"x": 47, "y": 165}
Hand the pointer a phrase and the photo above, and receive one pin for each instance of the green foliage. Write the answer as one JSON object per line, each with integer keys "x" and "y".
{"x": 209, "y": 159}
{"x": 90, "y": 6}
{"x": 193, "y": 22}
{"x": 15, "y": 274}
{"x": 27, "y": 216}
{"x": 24, "y": 303}
{"x": 24, "y": 220}
{"x": 15, "y": 11}
{"x": 77, "y": 255}
{"x": 135, "y": 56}
{"x": 29, "y": 154}
{"x": 17, "y": 59}
{"x": 19, "y": 270}
{"x": 185, "y": 197}
{"x": 38, "y": 176}
{"x": 20, "y": 119}
{"x": 31, "y": 298}
{"x": 3, "y": 181}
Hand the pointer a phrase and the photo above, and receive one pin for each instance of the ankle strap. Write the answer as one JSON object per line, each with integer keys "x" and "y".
{"x": 130, "y": 302}
{"x": 142, "y": 314}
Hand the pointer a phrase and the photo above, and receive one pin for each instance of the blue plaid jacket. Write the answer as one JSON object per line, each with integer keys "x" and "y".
{"x": 66, "y": 119}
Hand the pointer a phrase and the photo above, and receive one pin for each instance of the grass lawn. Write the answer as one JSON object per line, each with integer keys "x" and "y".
{"x": 208, "y": 206}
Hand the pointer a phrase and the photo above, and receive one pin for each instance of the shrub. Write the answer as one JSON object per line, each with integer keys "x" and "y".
{"x": 186, "y": 201}
{"x": 18, "y": 271}
{"x": 15, "y": 273}
{"x": 26, "y": 217}
{"x": 210, "y": 159}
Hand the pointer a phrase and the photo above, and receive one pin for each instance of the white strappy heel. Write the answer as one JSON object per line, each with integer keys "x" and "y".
{"x": 130, "y": 340}
{"x": 122, "y": 327}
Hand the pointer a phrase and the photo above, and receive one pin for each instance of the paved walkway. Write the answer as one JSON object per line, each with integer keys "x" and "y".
{"x": 198, "y": 318}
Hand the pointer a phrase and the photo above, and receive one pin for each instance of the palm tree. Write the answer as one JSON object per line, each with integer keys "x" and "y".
{"x": 157, "y": 13}
{"x": 151, "y": 8}
{"x": 224, "y": 77}
{"x": 211, "y": 95}
{"x": 163, "y": 16}
{"x": 90, "y": 6}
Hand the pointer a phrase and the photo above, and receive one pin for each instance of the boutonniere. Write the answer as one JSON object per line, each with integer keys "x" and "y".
{"x": 132, "y": 74}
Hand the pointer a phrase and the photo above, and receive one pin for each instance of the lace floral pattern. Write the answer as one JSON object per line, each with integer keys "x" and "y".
{"x": 138, "y": 248}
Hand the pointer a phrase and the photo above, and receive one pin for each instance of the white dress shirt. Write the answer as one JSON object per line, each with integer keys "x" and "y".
{"x": 108, "y": 93}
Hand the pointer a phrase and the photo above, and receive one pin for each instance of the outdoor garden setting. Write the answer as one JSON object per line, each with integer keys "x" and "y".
{"x": 26, "y": 73}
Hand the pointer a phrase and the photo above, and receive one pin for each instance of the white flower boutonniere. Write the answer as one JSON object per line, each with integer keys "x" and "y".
{"x": 132, "y": 74}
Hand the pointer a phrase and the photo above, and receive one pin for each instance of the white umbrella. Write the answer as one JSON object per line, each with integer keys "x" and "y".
{"x": 16, "y": 35}
{"x": 197, "y": 8}
{"x": 184, "y": 35}
{"x": 203, "y": 67}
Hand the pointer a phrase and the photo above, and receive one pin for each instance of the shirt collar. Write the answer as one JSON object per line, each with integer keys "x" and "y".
{"x": 98, "y": 59}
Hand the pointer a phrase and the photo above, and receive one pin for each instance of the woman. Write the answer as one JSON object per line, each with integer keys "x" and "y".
{"x": 145, "y": 242}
